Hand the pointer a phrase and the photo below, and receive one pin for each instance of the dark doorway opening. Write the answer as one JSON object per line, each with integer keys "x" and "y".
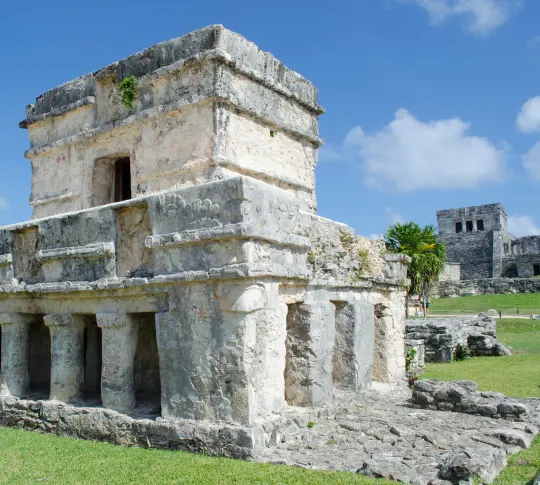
{"x": 459, "y": 227}
{"x": 92, "y": 360}
{"x": 469, "y": 225}
{"x": 39, "y": 366}
{"x": 147, "y": 376}
{"x": 479, "y": 225}
{"x": 536, "y": 269}
{"x": 122, "y": 179}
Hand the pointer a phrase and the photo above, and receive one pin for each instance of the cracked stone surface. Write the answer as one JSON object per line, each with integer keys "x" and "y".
{"x": 385, "y": 435}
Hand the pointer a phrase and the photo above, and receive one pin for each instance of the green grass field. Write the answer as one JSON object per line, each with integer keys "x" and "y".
{"x": 527, "y": 302}
{"x": 28, "y": 458}
{"x": 518, "y": 375}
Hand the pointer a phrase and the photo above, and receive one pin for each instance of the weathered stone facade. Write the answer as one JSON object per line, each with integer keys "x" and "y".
{"x": 477, "y": 239}
{"x": 175, "y": 265}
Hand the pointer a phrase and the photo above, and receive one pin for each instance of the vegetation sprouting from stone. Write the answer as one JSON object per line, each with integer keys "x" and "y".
{"x": 462, "y": 352}
{"x": 128, "y": 88}
{"x": 409, "y": 358}
{"x": 428, "y": 255}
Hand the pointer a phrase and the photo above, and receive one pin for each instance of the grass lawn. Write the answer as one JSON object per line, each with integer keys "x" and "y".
{"x": 518, "y": 375}
{"x": 28, "y": 457}
{"x": 527, "y": 302}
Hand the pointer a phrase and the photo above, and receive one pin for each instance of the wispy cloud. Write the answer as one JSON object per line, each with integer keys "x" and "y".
{"x": 520, "y": 226}
{"x": 482, "y": 17}
{"x": 4, "y": 206}
{"x": 531, "y": 162}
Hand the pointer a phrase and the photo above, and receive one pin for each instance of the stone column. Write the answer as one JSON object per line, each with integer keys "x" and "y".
{"x": 310, "y": 349}
{"x": 353, "y": 349}
{"x": 67, "y": 355}
{"x": 119, "y": 340}
{"x": 14, "y": 378}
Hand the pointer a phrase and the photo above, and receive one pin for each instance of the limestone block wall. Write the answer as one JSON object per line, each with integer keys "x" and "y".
{"x": 451, "y": 272}
{"x": 213, "y": 106}
{"x": 219, "y": 274}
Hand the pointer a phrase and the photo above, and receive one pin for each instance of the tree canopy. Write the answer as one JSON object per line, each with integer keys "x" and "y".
{"x": 428, "y": 255}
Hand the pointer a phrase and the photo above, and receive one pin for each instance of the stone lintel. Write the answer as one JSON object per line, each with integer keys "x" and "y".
{"x": 15, "y": 318}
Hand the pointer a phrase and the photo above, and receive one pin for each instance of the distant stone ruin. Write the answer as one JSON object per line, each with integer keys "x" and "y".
{"x": 175, "y": 287}
{"x": 480, "y": 251}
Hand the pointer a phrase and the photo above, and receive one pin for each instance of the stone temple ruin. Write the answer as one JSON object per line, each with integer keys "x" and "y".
{"x": 175, "y": 286}
{"x": 482, "y": 254}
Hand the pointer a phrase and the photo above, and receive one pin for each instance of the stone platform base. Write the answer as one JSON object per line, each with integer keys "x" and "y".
{"x": 105, "y": 425}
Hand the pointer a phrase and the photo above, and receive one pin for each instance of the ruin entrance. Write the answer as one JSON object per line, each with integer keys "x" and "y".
{"x": 536, "y": 269}
{"x": 459, "y": 227}
{"x": 92, "y": 360}
{"x": 146, "y": 370}
{"x": 39, "y": 364}
{"x": 469, "y": 226}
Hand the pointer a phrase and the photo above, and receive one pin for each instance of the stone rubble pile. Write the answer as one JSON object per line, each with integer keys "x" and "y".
{"x": 387, "y": 436}
{"x": 442, "y": 336}
{"x": 464, "y": 397}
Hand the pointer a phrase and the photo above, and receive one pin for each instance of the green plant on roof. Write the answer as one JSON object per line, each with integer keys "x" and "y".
{"x": 128, "y": 88}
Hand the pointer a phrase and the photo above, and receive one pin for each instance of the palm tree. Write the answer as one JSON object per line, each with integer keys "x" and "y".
{"x": 428, "y": 255}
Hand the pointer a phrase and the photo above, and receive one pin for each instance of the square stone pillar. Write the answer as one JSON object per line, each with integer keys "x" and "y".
{"x": 119, "y": 340}
{"x": 14, "y": 377}
{"x": 222, "y": 352}
{"x": 353, "y": 349}
{"x": 67, "y": 356}
{"x": 310, "y": 350}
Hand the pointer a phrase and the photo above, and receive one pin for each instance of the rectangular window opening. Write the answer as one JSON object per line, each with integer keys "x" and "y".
{"x": 536, "y": 269}
{"x": 479, "y": 225}
{"x": 122, "y": 179}
{"x": 469, "y": 225}
{"x": 459, "y": 227}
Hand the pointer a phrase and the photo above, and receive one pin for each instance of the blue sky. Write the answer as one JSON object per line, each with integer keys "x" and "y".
{"x": 430, "y": 104}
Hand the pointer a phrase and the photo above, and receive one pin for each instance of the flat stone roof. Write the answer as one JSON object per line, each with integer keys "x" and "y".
{"x": 262, "y": 64}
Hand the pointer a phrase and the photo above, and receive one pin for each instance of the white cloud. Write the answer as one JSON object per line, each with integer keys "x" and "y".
{"x": 528, "y": 120}
{"x": 409, "y": 154}
{"x": 520, "y": 226}
{"x": 531, "y": 161}
{"x": 394, "y": 217}
{"x": 482, "y": 16}
{"x": 3, "y": 204}
{"x": 376, "y": 236}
